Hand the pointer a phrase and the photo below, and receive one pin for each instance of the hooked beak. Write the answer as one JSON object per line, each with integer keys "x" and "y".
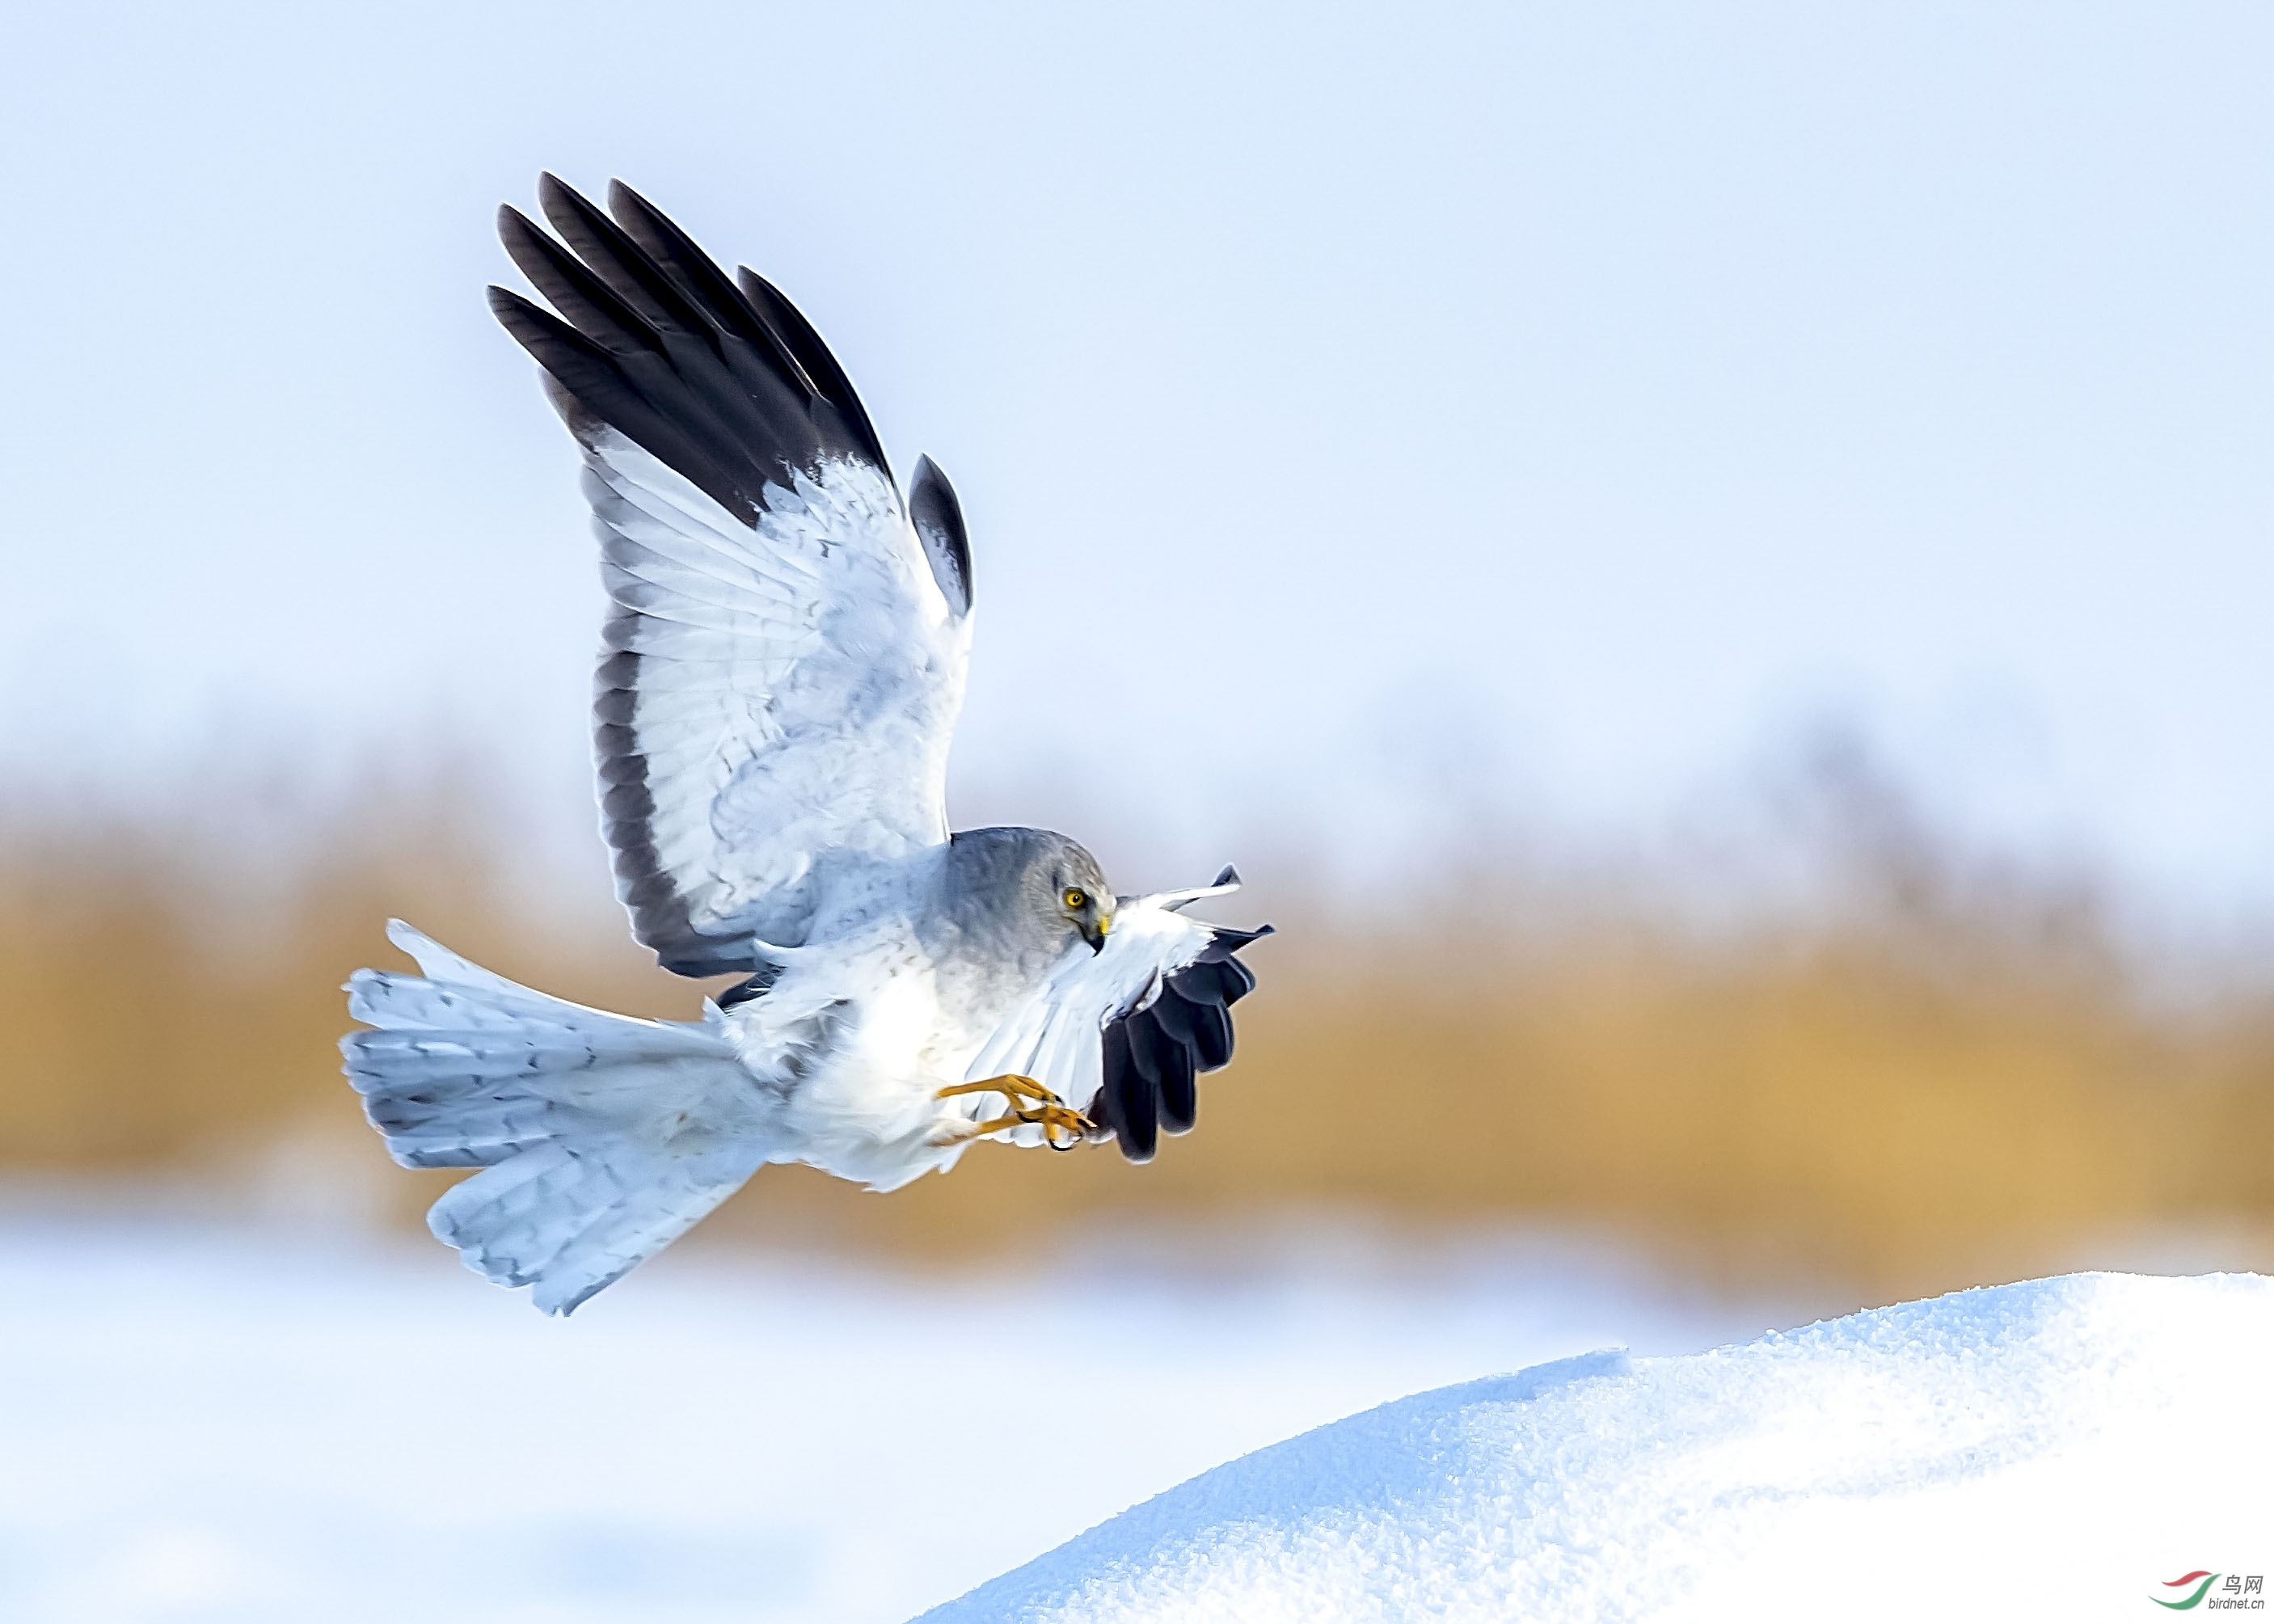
{"x": 1095, "y": 933}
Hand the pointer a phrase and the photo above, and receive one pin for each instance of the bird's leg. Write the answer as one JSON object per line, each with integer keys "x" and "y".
{"x": 1054, "y": 1114}
{"x": 1011, "y": 1086}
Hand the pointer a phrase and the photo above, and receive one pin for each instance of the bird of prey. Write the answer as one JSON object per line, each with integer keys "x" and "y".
{"x": 782, "y": 662}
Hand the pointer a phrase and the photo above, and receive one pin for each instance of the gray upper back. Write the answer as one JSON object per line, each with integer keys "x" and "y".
{"x": 989, "y": 918}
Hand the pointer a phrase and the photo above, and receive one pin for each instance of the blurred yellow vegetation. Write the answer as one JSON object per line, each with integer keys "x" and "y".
{"x": 1901, "y": 1092}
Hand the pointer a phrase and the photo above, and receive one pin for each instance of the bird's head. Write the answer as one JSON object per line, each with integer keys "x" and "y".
{"x": 1081, "y": 897}
{"x": 1065, "y": 883}
{"x": 1040, "y": 889}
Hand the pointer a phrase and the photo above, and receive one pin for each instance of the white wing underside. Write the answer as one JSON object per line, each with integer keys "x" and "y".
{"x": 777, "y": 700}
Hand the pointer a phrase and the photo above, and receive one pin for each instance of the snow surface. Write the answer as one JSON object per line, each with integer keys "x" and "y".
{"x": 202, "y": 1424}
{"x": 250, "y": 1426}
{"x": 2061, "y": 1448}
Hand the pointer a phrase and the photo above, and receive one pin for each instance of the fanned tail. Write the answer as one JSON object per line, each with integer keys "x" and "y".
{"x": 602, "y": 1138}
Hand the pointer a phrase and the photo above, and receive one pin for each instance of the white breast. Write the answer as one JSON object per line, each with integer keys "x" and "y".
{"x": 857, "y": 1040}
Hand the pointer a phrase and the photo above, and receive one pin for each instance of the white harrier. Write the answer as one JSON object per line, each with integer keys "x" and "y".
{"x": 783, "y": 661}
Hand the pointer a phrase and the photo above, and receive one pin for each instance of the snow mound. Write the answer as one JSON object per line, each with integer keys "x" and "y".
{"x": 2062, "y": 1447}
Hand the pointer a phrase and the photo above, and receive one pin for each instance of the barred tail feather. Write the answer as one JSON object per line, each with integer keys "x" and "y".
{"x": 602, "y": 1138}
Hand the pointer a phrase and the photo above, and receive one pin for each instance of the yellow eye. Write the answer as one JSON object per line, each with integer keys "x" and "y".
{"x": 1077, "y": 899}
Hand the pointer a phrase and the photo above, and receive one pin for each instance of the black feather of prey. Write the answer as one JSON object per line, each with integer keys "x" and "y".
{"x": 1154, "y": 1053}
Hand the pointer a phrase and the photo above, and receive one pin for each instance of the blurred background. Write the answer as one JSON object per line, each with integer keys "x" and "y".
{"x": 1708, "y": 566}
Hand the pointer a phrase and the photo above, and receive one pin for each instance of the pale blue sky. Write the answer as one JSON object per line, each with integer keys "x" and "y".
{"x": 1571, "y": 400}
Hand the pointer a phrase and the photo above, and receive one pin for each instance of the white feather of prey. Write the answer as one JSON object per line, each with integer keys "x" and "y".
{"x": 1057, "y": 1035}
{"x": 782, "y": 663}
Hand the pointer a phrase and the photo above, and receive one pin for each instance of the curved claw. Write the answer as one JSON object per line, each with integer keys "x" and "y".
{"x": 1054, "y": 1114}
{"x": 1053, "y": 1119}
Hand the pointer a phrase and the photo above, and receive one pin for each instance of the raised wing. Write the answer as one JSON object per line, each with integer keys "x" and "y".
{"x": 785, "y": 650}
{"x": 1125, "y": 1031}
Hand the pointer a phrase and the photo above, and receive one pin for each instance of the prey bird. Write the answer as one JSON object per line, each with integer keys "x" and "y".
{"x": 782, "y": 662}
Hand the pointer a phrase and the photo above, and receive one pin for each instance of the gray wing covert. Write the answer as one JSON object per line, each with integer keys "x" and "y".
{"x": 784, "y": 650}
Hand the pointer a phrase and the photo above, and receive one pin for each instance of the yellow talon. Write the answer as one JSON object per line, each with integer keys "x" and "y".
{"x": 1054, "y": 1114}
{"x": 1054, "y": 1119}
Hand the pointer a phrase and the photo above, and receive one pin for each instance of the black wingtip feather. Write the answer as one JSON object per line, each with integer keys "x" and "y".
{"x": 590, "y": 307}
{"x": 616, "y": 258}
{"x": 798, "y": 334}
{"x": 938, "y": 518}
{"x": 598, "y": 382}
{"x": 661, "y": 345}
{"x": 721, "y": 300}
